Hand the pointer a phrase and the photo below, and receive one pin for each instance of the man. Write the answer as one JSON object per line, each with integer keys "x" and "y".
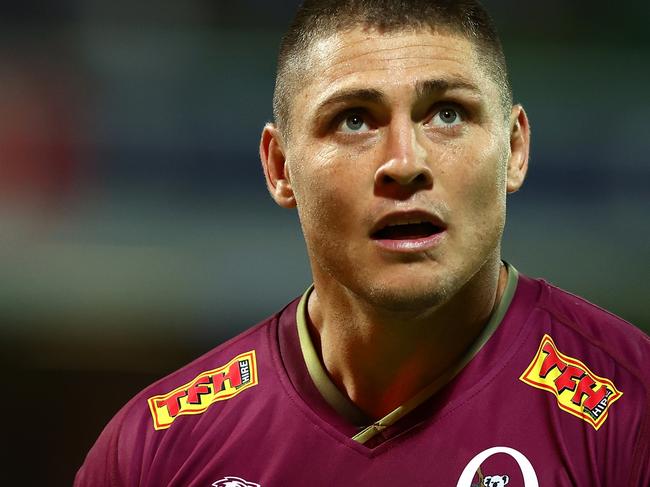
{"x": 417, "y": 357}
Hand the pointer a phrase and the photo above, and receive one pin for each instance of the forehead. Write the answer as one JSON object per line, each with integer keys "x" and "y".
{"x": 395, "y": 62}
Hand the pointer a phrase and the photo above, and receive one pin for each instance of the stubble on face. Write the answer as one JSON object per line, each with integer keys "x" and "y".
{"x": 333, "y": 177}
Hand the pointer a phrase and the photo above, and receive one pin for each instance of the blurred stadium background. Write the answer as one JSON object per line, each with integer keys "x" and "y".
{"x": 135, "y": 228}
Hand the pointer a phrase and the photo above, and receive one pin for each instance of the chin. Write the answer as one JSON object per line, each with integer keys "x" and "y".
{"x": 409, "y": 296}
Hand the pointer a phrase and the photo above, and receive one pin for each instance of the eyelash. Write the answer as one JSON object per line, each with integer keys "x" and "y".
{"x": 431, "y": 113}
{"x": 440, "y": 106}
{"x": 341, "y": 117}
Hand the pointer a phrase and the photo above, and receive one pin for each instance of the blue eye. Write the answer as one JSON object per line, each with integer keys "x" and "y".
{"x": 352, "y": 123}
{"x": 446, "y": 117}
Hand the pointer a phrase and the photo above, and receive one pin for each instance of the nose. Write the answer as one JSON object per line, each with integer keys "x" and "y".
{"x": 405, "y": 169}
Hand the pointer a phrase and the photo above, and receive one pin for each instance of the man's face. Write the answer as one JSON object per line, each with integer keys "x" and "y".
{"x": 397, "y": 160}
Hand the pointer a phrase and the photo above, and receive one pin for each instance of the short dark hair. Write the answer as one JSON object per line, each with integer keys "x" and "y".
{"x": 317, "y": 19}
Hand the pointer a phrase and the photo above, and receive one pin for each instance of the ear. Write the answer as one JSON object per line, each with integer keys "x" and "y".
{"x": 272, "y": 154}
{"x": 519, "y": 149}
{"x": 505, "y": 479}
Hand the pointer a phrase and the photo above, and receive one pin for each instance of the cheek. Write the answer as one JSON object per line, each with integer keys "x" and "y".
{"x": 327, "y": 217}
{"x": 329, "y": 183}
{"x": 473, "y": 177}
{"x": 324, "y": 196}
{"x": 484, "y": 162}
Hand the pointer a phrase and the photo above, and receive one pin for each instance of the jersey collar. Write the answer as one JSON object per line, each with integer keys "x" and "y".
{"x": 346, "y": 408}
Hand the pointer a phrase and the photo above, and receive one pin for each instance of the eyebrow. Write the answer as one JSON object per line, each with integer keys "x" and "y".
{"x": 422, "y": 88}
{"x": 347, "y": 95}
{"x": 431, "y": 86}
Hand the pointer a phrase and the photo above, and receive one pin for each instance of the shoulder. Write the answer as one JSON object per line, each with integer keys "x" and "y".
{"x": 129, "y": 442}
{"x": 591, "y": 359}
{"x": 588, "y": 332}
{"x": 220, "y": 374}
{"x": 597, "y": 327}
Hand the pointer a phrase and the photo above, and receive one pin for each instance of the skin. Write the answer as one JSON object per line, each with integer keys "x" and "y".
{"x": 387, "y": 323}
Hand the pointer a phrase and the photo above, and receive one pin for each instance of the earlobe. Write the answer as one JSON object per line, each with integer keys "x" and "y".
{"x": 273, "y": 158}
{"x": 519, "y": 149}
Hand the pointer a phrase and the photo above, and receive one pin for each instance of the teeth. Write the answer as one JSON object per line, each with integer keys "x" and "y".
{"x": 408, "y": 222}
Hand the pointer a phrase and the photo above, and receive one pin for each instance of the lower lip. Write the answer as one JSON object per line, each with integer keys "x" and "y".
{"x": 411, "y": 244}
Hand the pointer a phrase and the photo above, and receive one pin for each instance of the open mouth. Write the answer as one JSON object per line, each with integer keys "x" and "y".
{"x": 407, "y": 231}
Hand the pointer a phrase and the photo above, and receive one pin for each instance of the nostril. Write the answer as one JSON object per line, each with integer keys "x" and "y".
{"x": 418, "y": 180}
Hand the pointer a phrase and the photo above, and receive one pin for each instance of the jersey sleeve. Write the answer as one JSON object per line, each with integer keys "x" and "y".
{"x": 115, "y": 459}
{"x": 641, "y": 467}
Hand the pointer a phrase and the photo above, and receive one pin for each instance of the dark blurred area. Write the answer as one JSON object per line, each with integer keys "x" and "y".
{"x": 135, "y": 229}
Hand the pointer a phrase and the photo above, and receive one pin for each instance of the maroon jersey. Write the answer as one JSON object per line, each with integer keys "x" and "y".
{"x": 555, "y": 393}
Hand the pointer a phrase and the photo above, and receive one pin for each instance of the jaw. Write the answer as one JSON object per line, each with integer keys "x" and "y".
{"x": 410, "y": 282}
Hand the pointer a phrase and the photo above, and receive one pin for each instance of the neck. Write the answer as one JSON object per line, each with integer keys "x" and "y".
{"x": 381, "y": 358}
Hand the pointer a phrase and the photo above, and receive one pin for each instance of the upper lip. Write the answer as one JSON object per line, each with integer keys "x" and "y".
{"x": 404, "y": 217}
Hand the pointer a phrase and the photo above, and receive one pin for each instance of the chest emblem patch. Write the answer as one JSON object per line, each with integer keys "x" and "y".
{"x": 205, "y": 389}
{"x": 234, "y": 482}
{"x": 577, "y": 389}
